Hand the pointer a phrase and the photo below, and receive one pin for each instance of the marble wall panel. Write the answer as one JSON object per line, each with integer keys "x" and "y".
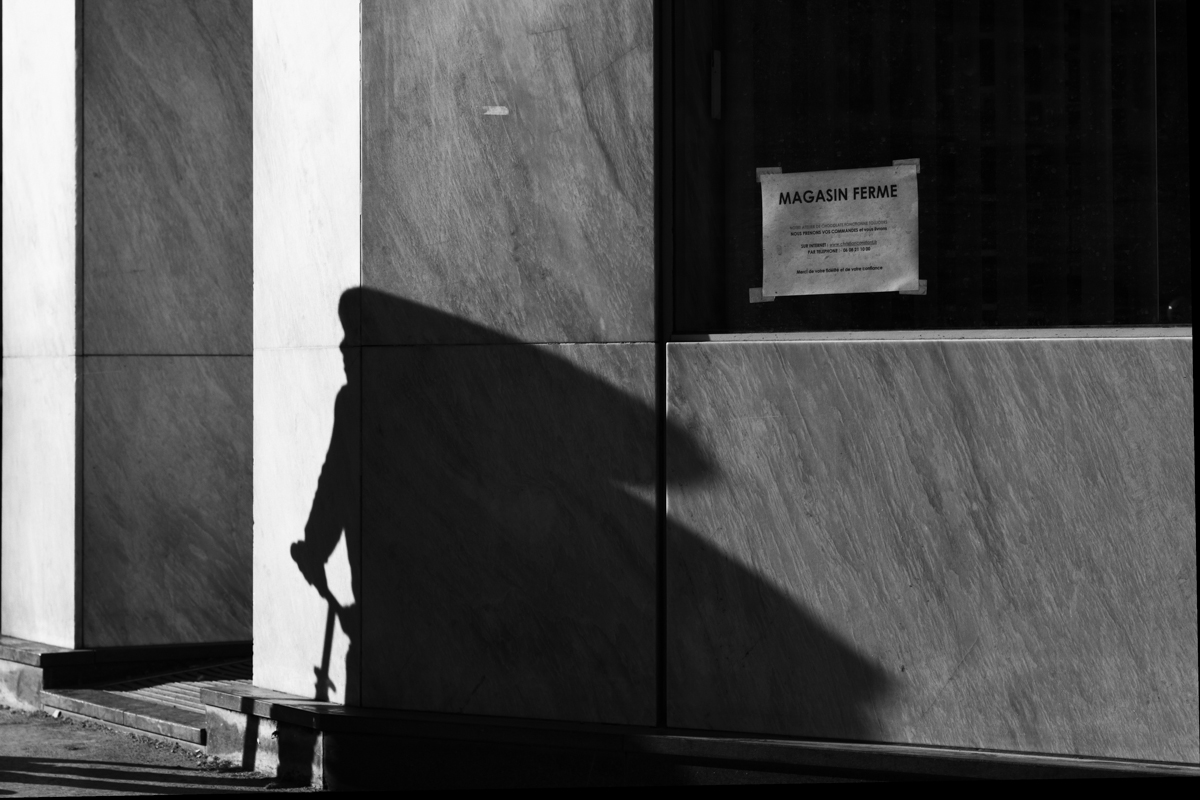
{"x": 39, "y": 107}
{"x": 306, "y": 488}
{"x": 977, "y": 544}
{"x": 508, "y": 534}
{"x": 167, "y": 499}
{"x": 538, "y": 222}
{"x": 37, "y": 509}
{"x": 167, "y": 177}
{"x": 306, "y": 155}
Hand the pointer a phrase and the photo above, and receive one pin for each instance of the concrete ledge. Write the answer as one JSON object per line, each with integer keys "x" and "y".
{"x": 349, "y": 740}
{"x": 20, "y": 685}
{"x": 36, "y": 654}
{"x": 129, "y": 711}
{"x": 33, "y": 654}
{"x": 63, "y": 667}
{"x": 276, "y": 748}
{"x": 896, "y": 759}
{"x": 191, "y": 747}
{"x": 335, "y": 718}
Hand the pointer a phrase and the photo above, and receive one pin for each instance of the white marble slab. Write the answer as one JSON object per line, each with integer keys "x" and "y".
{"x": 539, "y": 222}
{"x": 306, "y": 168}
{"x": 167, "y": 220}
{"x": 982, "y": 544}
{"x": 37, "y": 548}
{"x": 167, "y": 491}
{"x": 296, "y": 392}
{"x": 39, "y": 177}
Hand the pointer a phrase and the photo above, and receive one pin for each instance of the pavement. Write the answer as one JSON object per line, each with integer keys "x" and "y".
{"x": 44, "y": 756}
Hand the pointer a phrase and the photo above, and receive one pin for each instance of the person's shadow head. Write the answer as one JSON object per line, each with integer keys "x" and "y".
{"x": 350, "y": 315}
{"x": 505, "y": 540}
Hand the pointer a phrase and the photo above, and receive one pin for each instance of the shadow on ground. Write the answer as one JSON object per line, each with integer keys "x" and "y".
{"x": 46, "y": 757}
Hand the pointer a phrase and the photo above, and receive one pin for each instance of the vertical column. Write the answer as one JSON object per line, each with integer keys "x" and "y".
{"x": 306, "y": 255}
{"x": 39, "y": 538}
{"x": 508, "y": 518}
{"x": 166, "y": 318}
{"x": 500, "y": 348}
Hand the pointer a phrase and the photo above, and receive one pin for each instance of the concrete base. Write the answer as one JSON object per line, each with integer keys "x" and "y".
{"x": 288, "y": 752}
{"x": 367, "y": 761}
{"x": 363, "y": 762}
{"x": 338, "y": 747}
{"x": 63, "y": 667}
{"x": 20, "y": 686}
{"x": 129, "y": 711}
{"x": 190, "y": 747}
{"x": 26, "y": 668}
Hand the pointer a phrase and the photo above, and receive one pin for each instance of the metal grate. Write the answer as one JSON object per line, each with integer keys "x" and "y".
{"x": 181, "y": 689}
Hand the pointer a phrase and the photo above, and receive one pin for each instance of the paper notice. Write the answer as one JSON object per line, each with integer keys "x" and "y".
{"x": 841, "y": 231}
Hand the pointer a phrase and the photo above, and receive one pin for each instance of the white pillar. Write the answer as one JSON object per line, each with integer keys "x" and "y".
{"x": 39, "y": 566}
{"x": 306, "y": 253}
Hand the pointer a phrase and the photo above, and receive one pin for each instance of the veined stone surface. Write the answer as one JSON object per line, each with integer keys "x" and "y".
{"x": 306, "y": 434}
{"x": 37, "y": 546}
{"x": 537, "y": 223}
{"x": 306, "y": 177}
{"x": 38, "y": 497}
{"x": 39, "y": 178}
{"x": 167, "y": 177}
{"x": 995, "y": 540}
{"x": 167, "y": 499}
{"x": 306, "y": 248}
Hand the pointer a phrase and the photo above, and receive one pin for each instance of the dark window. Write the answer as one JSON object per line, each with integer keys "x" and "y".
{"x": 1052, "y": 136}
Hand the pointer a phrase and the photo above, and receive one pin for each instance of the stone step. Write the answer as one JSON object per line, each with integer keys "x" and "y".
{"x": 166, "y": 705}
{"x": 129, "y": 711}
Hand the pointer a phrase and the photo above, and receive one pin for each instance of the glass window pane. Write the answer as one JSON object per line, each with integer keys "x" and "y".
{"x": 1038, "y": 125}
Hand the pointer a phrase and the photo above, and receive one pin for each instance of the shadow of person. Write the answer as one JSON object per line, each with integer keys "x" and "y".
{"x": 503, "y": 544}
{"x": 335, "y": 512}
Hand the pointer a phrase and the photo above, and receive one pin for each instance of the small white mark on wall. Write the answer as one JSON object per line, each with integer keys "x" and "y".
{"x": 495, "y": 111}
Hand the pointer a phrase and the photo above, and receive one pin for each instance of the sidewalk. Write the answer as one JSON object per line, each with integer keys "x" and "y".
{"x": 41, "y": 756}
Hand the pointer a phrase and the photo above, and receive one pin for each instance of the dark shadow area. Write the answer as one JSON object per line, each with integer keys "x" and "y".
{"x": 424, "y": 764}
{"x": 107, "y": 776}
{"x": 503, "y": 543}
